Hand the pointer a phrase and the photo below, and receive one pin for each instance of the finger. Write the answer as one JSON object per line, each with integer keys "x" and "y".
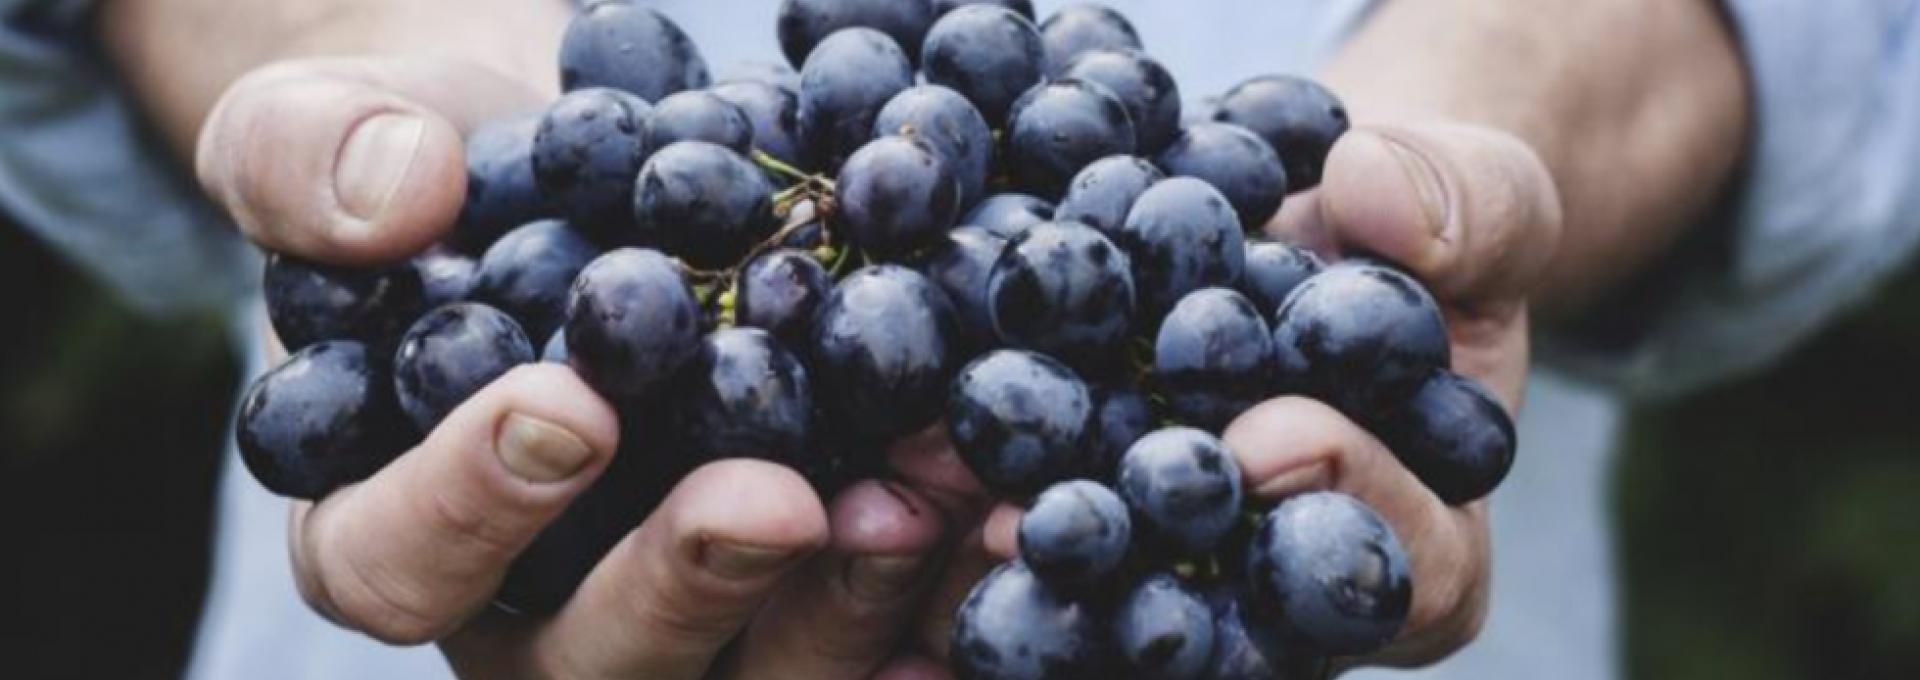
{"x": 913, "y": 668}
{"x": 844, "y": 613}
{"x": 1293, "y": 445}
{"x": 1001, "y": 533}
{"x": 349, "y": 160}
{"x": 665, "y": 601}
{"x": 929, "y": 463}
{"x": 412, "y": 552}
{"x": 1471, "y": 211}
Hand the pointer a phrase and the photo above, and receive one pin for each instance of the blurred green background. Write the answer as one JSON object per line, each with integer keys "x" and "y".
{"x": 1770, "y": 528}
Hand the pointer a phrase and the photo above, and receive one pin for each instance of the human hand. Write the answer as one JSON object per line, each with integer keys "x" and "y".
{"x": 359, "y": 161}
{"x": 1473, "y": 213}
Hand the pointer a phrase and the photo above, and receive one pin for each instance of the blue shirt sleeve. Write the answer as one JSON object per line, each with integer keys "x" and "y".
{"x": 78, "y": 169}
{"x": 1827, "y": 208}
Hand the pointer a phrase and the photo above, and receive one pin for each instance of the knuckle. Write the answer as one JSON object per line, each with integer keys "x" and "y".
{"x": 476, "y": 532}
{"x": 386, "y": 606}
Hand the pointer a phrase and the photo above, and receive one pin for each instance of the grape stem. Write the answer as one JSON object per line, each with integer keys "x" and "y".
{"x": 780, "y": 167}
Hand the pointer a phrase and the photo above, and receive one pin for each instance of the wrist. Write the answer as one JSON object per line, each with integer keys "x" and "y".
{"x": 179, "y": 56}
{"x": 1637, "y": 109}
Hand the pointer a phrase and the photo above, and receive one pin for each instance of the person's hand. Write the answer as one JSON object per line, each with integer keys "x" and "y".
{"x": 360, "y": 161}
{"x": 1473, "y": 214}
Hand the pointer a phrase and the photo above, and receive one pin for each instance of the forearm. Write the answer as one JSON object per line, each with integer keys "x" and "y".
{"x": 1638, "y": 109}
{"x": 180, "y": 55}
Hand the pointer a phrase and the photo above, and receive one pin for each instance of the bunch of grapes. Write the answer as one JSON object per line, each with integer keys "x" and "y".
{"x": 947, "y": 214}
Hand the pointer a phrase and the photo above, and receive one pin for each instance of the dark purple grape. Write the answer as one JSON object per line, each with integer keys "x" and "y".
{"x": 1273, "y": 270}
{"x": 744, "y": 395}
{"x": 1237, "y": 650}
{"x": 555, "y": 351}
{"x": 1213, "y": 358}
{"x": 1183, "y": 486}
{"x": 1063, "y": 289}
{"x": 445, "y": 277}
{"x": 1299, "y": 118}
{"x": 1360, "y": 336}
{"x": 1121, "y": 416}
{"x": 450, "y": 354}
{"x": 1007, "y": 215}
{"x": 1018, "y": 419}
{"x": 1023, "y": 7}
{"x": 1163, "y": 630}
{"x": 589, "y": 146}
{"x": 1075, "y": 534}
{"x": 1104, "y": 192}
{"x": 780, "y": 291}
{"x": 1326, "y": 570}
{"x": 625, "y": 46}
{"x": 699, "y": 116}
{"x": 1013, "y": 627}
{"x": 308, "y": 302}
{"x": 807, "y": 24}
{"x": 631, "y": 322}
{"x": 1146, "y": 88}
{"x": 501, "y": 190}
{"x": 943, "y": 119}
{"x": 961, "y": 264}
{"x": 1057, "y": 128}
{"x": 844, "y": 84}
{"x": 703, "y": 203}
{"x": 325, "y": 418}
{"x": 1235, "y": 161}
{"x": 896, "y": 196}
{"x": 775, "y": 114}
{"x": 1454, "y": 436}
{"x": 1084, "y": 27}
{"x": 885, "y": 346}
{"x": 1182, "y": 236}
{"x": 988, "y": 54}
{"x": 527, "y": 273}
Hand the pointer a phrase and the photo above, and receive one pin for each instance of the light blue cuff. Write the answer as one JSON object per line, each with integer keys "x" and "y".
{"x": 1830, "y": 207}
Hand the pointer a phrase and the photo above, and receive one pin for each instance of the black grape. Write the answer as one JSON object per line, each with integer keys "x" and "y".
{"x": 989, "y": 54}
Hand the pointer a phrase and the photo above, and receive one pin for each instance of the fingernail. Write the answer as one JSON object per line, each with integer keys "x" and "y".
{"x": 1425, "y": 202}
{"x": 883, "y": 578}
{"x": 1311, "y": 477}
{"x": 538, "y": 451}
{"x": 374, "y": 161}
{"x": 740, "y": 562}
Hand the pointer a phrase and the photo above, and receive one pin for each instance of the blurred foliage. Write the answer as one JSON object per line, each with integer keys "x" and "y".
{"x": 1771, "y": 527}
{"x": 111, "y": 428}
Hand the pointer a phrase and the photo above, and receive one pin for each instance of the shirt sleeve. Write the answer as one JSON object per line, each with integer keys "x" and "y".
{"x": 78, "y": 170}
{"x": 1827, "y": 207}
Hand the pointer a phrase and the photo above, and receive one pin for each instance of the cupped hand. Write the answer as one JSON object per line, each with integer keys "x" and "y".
{"x": 1472, "y": 213}
{"x": 741, "y": 572}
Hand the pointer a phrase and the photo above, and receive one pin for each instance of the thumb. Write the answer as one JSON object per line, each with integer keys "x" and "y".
{"x": 1469, "y": 210}
{"x": 349, "y": 160}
